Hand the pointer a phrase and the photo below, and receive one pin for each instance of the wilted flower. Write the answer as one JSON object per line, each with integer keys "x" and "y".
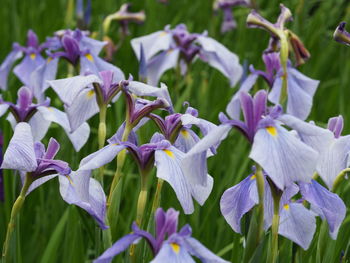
{"x": 341, "y": 35}
{"x": 168, "y": 245}
{"x": 169, "y": 48}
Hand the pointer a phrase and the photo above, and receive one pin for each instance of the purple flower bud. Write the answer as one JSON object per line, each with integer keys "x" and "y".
{"x": 341, "y": 35}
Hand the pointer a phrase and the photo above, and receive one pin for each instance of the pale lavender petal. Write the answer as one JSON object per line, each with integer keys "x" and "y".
{"x": 233, "y": 108}
{"x": 219, "y": 57}
{"x": 186, "y": 140}
{"x": 20, "y": 153}
{"x": 195, "y": 248}
{"x": 118, "y": 247}
{"x": 6, "y": 66}
{"x": 173, "y": 253}
{"x": 284, "y": 157}
{"x": 297, "y": 224}
{"x": 236, "y": 201}
{"x": 38, "y": 182}
{"x": 3, "y": 109}
{"x": 39, "y": 126}
{"x": 85, "y": 192}
{"x": 152, "y": 44}
{"x": 27, "y": 66}
{"x": 334, "y": 159}
{"x": 101, "y": 157}
{"x": 331, "y": 206}
{"x": 94, "y": 46}
{"x": 204, "y": 125}
{"x": 83, "y": 108}
{"x": 161, "y": 63}
{"x": 69, "y": 88}
{"x": 336, "y": 125}
{"x": 94, "y": 64}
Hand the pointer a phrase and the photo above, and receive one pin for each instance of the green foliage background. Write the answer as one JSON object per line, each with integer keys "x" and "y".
{"x": 52, "y": 231}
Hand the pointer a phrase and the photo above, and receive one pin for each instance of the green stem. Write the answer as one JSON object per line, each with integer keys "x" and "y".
{"x": 16, "y": 208}
{"x": 142, "y": 200}
{"x": 284, "y": 52}
{"x": 102, "y": 127}
{"x": 157, "y": 196}
{"x": 260, "y": 183}
{"x": 274, "y": 228}
{"x": 339, "y": 178}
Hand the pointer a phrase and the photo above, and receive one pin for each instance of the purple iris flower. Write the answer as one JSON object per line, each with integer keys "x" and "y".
{"x": 82, "y": 95}
{"x": 276, "y": 149}
{"x": 168, "y": 161}
{"x": 300, "y": 92}
{"x": 297, "y": 223}
{"x": 168, "y": 244}
{"x": 229, "y": 23}
{"x": 40, "y": 116}
{"x": 25, "y": 155}
{"x": 168, "y": 48}
{"x": 83, "y": 15}
{"x": 2, "y": 193}
{"x": 341, "y": 35}
{"x": 31, "y": 61}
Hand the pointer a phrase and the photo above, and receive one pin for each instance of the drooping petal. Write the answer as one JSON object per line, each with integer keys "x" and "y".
{"x": 186, "y": 140}
{"x": 69, "y": 88}
{"x": 301, "y": 90}
{"x": 6, "y": 66}
{"x": 101, "y": 157}
{"x": 169, "y": 168}
{"x": 118, "y": 247}
{"x": 38, "y": 182}
{"x": 297, "y": 224}
{"x": 83, "y": 108}
{"x": 27, "y": 67}
{"x": 284, "y": 157}
{"x": 91, "y": 63}
{"x": 39, "y": 126}
{"x": 236, "y": 201}
{"x": 94, "y": 46}
{"x": 161, "y": 63}
{"x": 219, "y": 57}
{"x": 195, "y": 248}
{"x": 331, "y": 206}
{"x": 152, "y": 44}
{"x": 81, "y": 190}
{"x": 20, "y": 153}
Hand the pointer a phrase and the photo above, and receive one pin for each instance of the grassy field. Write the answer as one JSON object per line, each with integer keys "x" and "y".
{"x": 52, "y": 231}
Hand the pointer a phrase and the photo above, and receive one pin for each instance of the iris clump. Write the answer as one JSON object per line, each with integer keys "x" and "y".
{"x": 252, "y": 154}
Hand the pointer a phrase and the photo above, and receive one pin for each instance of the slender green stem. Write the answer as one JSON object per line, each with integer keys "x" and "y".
{"x": 274, "y": 227}
{"x": 339, "y": 178}
{"x": 157, "y": 196}
{"x": 284, "y": 60}
{"x": 260, "y": 183}
{"x": 16, "y": 208}
{"x": 142, "y": 200}
{"x": 102, "y": 127}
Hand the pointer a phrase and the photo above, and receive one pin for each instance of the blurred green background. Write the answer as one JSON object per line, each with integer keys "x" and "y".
{"x": 51, "y": 231}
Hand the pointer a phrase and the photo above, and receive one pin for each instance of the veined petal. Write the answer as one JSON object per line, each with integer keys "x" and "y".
{"x": 236, "y": 201}
{"x": 233, "y": 108}
{"x": 93, "y": 45}
{"x": 173, "y": 253}
{"x": 186, "y": 140}
{"x": 3, "y": 109}
{"x": 204, "y": 125}
{"x": 20, "y": 153}
{"x": 101, "y": 157}
{"x": 152, "y": 43}
{"x": 219, "y": 57}
{"x": 118, "y": 247}
{"x": 297, "y": 224}
{"x": 83, "y": 108}
{"x": 39, "y": 126}
{"x": 27, "y": 66}
{"x": 85, "y": 192}
{"x": 80, "y": 136}
{"x": 284, "y": 157}
{"x": 195, "y": 248}
{"x": 332, "y": 207}
{"x": 69, "y": 88}
{"x": 6, "y": 66}
{"x": 334, "y": 159}
{"x": 91, "y": 63}
{"x": 160, "y": 63}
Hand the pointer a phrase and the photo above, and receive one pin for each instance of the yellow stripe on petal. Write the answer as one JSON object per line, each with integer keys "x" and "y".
{"x": 89, "y": 57}
{"x": 169, "y": 153}
{"x": 162, "y": 34}
{"x": 253, "y": 177}
{"x": 286, "y": 207}
{"x": 48, "y": 60}
{"x": 272, "y": 130}
{"x": 90, "y": 94}
{"x": 32, "y": 56}
{"x": 175, "y": 247}
{"x": 185, "y": 134}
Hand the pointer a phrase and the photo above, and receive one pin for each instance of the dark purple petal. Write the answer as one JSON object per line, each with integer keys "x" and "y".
{"x": 32, "y": 39}
{"x": 52, "y": 149}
